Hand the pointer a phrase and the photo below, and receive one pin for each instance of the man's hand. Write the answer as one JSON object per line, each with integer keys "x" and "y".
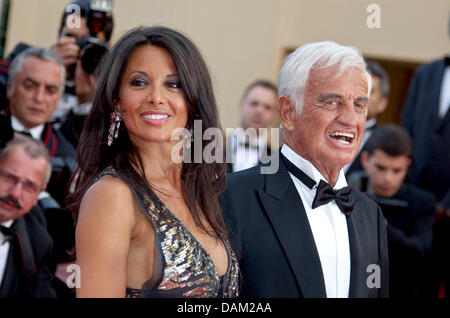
{"x": 67, "y": 49}
{"x": 84, "y": 85}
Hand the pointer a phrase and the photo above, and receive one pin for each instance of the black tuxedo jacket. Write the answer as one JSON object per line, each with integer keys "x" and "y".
{"x": 271, "y": 236}
{"x": 430, "y": 133}
{"x": 409, "y": 240}
{"x": 15, "y": 284}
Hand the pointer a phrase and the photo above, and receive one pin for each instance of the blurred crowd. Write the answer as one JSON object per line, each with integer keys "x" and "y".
{"x": 46, "y": 95}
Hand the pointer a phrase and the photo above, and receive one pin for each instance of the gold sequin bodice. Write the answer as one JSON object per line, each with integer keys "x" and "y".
{"x": 186, "y": 269}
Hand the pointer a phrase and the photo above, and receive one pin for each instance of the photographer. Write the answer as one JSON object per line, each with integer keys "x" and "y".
{"x": 84, "y": 34}
{"x": 409, "y": 211}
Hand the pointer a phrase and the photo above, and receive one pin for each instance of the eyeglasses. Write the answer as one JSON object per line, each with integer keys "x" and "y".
{"x": 12, "y": 180}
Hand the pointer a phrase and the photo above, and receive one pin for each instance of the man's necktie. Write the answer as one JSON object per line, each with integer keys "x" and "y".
{"x": 344, "y": 197}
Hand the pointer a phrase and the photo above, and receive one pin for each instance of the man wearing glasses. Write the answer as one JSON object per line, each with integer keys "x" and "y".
{"x": 25, "y": 245}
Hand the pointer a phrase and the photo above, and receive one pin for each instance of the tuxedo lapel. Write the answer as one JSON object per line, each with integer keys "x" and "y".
{"x": 357, "y": 239}
{"x": 435, "y": 96}
{"x": 284, "y": 209}
{"x": 10, "y": 274}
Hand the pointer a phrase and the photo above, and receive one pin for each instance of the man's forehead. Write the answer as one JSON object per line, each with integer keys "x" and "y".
{"x": 17, "y": 160}
{"x": 33, "y": 62}
{"x": 41, "y": 70}
{"x": 333, "y": 76}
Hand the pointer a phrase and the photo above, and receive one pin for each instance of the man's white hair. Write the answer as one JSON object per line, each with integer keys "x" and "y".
{"x": 40, "y": 53}
{"x": 319, "y": 55}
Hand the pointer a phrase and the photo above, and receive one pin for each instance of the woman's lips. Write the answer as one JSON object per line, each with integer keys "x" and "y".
{"x": 155, "y": 118}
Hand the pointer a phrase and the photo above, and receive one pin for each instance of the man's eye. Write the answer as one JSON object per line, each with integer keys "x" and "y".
{"x": 30, "y": 187}
{"x": 11, "y": 178}
{"x": 28, "y": 84}
{"x": 332, "y": 103}
{"x": 360, "y": 107}
{"x": 52, "y": 90}
{"x": 139, "y": 82}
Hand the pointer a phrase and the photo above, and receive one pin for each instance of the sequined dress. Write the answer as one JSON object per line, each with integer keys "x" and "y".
{"x": 182, "y": 267}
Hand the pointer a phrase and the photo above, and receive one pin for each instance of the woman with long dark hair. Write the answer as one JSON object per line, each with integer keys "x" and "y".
{"x": 148, "y": 226}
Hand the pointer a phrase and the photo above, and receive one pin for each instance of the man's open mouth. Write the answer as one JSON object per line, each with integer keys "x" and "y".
{"x": 345, "y": 138}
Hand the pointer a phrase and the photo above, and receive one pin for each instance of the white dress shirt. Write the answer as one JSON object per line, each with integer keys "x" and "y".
{"x": 329, "y": 227}
{"x": 4, "y": 250}
{"x": 246, "y": 156}
{"x": 35, "y": 132}
{"x": 444, "y": 100}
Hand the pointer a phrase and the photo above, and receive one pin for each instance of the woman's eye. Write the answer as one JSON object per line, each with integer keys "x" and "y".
{"x": 138, "y": 82}
{"x": 175, "y": 84}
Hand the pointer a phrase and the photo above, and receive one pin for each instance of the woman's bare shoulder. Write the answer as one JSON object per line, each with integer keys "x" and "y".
{"x": 109, "y": 196}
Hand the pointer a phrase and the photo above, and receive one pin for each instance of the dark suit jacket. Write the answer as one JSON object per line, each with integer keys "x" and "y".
{"x": 430, "y": 134}
{"x": 15, "y": 284}
{"x": 271, "y": 235}
{"x": 409, "y": 239}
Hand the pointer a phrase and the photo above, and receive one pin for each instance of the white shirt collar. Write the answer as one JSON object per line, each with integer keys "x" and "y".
{"x": 260, "y": 141}
{"x": 35, "y": 132}
{"x": 7, "y": 223}
{"x": 82, "y": 109}
{"x": 371, "y": 122}
{"x": 308, "y": 168}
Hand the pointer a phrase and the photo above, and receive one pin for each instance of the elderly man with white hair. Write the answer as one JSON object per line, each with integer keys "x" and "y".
{"x": 301, "y": 231}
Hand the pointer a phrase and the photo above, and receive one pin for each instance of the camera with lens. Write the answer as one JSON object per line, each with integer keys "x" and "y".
{"x": 98, "y": 16}
{"x": 92, "y": 51}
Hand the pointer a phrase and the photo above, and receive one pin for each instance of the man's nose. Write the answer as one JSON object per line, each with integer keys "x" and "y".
{"x": 16, "y": 190}
{"x": 348, "y": 115}
{"x": 39, "y": 94}
{"x": 387, "y": 178}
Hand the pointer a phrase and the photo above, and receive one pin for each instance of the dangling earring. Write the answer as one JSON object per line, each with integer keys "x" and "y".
{"x": 114, "y": 128}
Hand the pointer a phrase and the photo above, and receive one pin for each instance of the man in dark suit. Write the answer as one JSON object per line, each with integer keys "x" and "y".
{"x": 426, "y": 117}
{"x": 378, "y": 101}
{"x": 257, "y": 109}
{"x": 35, "y": 85}
{"x": 301, "y": 232}
{"x": 26, "y": 263}
{"x": 409, "y": 210}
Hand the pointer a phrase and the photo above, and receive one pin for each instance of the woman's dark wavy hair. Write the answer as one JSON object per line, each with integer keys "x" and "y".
{"x": 202, "y": 183}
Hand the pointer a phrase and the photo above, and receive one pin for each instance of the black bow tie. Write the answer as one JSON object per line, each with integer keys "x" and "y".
{"x": 6, "y": 232}
{"x": 344, "y": 197}
{"x": 25, "y": 132}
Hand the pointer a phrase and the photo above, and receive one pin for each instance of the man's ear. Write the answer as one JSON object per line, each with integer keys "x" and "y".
{"x": 288, "y": 114}
{"x": 364, "y": 158}
{"x": 383, "y": 104}
{"x": 8, "y": 90}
